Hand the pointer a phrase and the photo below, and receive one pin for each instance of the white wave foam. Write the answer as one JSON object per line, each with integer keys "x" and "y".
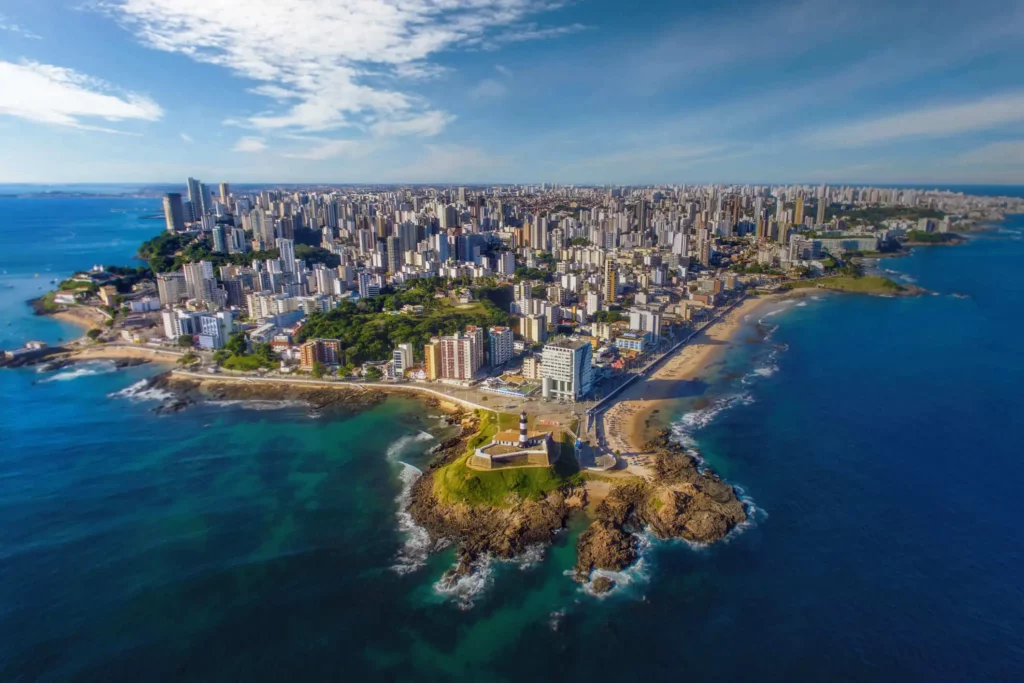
{"x": 141, "y": 391}
{"x": 398, "y": 447}
{"x": 258, "y": 405}
{"x": 694, "y": 421}
{"x": 417, "y": 546}
{"x": 801, "y": 304}
{"x": 465, "y": 589}
{"x": 636, "y": 574}
{"x": 87, "y": 369}
{"x": 531, "y": 557}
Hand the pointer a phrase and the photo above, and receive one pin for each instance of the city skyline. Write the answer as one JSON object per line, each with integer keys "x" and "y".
{"x": 511, "y": 91}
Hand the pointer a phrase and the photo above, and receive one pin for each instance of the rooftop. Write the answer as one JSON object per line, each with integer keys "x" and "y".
{"x": 567, "y": 343}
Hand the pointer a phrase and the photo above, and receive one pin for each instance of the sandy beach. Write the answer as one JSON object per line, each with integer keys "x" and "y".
{"x": 85, "y": 317}
{"x": 629, "y": 424}
{"x": 115, "y": 351}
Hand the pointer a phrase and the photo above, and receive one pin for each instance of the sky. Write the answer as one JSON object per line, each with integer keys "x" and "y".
{"x": 511, "y": 91}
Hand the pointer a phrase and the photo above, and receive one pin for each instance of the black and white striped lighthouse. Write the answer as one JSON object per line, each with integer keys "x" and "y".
{"x": 523, "y": 438}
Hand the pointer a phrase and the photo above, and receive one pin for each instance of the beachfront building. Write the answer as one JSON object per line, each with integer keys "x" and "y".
{"x": 566, "y": 371}
{"x": 402, "y": 358}
{"x": 461, "y": 354}
{"x": 633, "y": 341}
{"x": 500, "y": 343}
{"x": 432, "y": 359}
{"x": 323, "y": 351}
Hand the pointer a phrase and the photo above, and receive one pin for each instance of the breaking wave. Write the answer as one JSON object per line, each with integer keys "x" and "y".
{"x": 692, "y": 422}
{"x": 636, "y": 574}
{"x": 258, "y": 405}
{"x": 417, "y": 546}
{"x": 141, "y": 391}
{"x": 87, "y": 369}
{"x": 465, "y": 589}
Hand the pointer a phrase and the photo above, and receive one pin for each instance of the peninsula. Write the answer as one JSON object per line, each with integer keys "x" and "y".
{"x": 556, "y": 326}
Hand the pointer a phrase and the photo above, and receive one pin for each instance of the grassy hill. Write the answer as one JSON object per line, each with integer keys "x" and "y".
{"x": 457, "y": 483}
{"x": 869, "y": 284}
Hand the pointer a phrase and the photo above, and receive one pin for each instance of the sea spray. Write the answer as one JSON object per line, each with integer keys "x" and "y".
{"x": 142, "y": 391}
{"x": 417, "y": 545}
{"x": 87, "y": 369}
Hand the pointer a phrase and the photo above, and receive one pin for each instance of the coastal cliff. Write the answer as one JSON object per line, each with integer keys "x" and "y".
{"x": 679, "y": 501}
{"x": 505, "y": 530}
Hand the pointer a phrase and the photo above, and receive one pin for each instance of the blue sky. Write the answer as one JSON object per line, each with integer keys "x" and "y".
{"x": 511, "y": 91}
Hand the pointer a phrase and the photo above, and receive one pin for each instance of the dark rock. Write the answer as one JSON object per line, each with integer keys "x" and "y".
{"x": 602, "y": 584}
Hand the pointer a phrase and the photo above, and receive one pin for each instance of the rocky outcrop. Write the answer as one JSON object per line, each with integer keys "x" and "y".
{"x": 188, "y": 390}
{"x": 503, "y": 532}
{"x": 679, "y": 501}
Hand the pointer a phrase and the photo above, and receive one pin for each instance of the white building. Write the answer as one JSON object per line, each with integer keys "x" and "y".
{"x": 402, "y": 357}
{"x": 565, "y": 370}
{"x": 500, "y": 342}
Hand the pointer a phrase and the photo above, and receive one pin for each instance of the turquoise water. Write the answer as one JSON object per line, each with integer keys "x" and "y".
{"x": 878, "y": 438}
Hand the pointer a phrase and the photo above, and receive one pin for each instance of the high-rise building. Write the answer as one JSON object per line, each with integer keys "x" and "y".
{"x": 225, "y": 191}
{"x": 195, "y": 196}
{"x": 432, "y": 359}
{"x": 323, "y": 351}
{"x": 461, "y": 355}
{"x": 170, "y": 288}
{"x": 219, "y": 241}
{"x": 798, "y": 212}
{"x": 394, "y": 254}
{"x": 199, "y": 281}
{"x": 287, "y": 255}
{"x": 539, "y": 233}
{"x": 174, "y": 212}
{"x": 611, "y": 280}
{"x": 500, "y": 343}
{"x": 535, "y": 328}
{"x": 822, "y": 203}
{"x": 565, "y": 370}
{"x": 402, "y": 357}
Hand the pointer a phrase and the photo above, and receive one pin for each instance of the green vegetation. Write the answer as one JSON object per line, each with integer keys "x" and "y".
{"x": 168, "y": 251}
{"x": 46, "y": 304}
{"x": 235, "y": 355}
{"x": 876, "y": 214}
{"x": 368, "y": 334}
{"x": 317, "y": 371}
{"x": 609, "y": 316}
{"x": 188, "y": 359}
{"x": 457, "y": 483}
{"x": 524, "y": 273}
{"x": 185, "y": 341}
{"x": 373, "y": 374}
{"x": 932, "y": 237}
{"x": 94, "y": 333}
{"x": 871, "y": 284}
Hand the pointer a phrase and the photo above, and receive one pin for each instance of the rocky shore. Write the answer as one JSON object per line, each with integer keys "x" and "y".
{"x": 187, "y": 391}
{"x": 678, "y": 501}
{"x": 502, "y": 532}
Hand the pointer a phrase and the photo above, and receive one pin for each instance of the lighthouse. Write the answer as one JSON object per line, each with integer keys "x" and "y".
{"x": 523, "y": 438}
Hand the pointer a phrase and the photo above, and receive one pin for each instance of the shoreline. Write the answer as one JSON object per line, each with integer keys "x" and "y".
{"x": 628, "y": 424}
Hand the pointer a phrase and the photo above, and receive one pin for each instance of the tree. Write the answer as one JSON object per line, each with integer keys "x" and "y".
{"x": 373, "y": 374}
{"x": 236, "y": 344}
{"x": 93, "y": 333}
{"x": 188, "y": 359}
{"x": 317, "y": 370}
{"x": 185, "y": 341}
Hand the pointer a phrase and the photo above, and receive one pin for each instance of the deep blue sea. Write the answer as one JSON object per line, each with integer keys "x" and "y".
{"x": 879, "y": 439}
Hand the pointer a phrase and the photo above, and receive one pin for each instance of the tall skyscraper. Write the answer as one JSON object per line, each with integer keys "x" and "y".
{"x": 225, "y": 190}
{"x": 195, "y": 196}
{"x": 822, "y": 204}
{"x": 798, "y": 212}
{"x": 220, "y": 244}
{"x": 174, "y": 213}
{"x": 287, "y": 255}
{"x": 611, "y": 280}
{"x": 394, "y": 253}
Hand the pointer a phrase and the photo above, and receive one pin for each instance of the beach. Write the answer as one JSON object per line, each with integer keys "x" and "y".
{"x": 628, "y": 424}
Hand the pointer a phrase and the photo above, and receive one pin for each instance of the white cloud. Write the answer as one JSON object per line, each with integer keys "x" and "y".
{"x": 429, "y": 124}
{"x": 250, "y": 144}
{"x": 936, "y": 121}
{"x": 503, "y": 70}
{"x": 488, "y": 89}
{"x": 187, "y": 138}
{"x": 7, "y": 25}
{"x": 324, "y": 148}
{"x": 318, "y": 59}
{"x": 55, "y": 95}
{"x": 1002, "y": 153}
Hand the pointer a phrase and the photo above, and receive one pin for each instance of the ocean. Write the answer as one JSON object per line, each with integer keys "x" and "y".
{"x": 878, "y": 439}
